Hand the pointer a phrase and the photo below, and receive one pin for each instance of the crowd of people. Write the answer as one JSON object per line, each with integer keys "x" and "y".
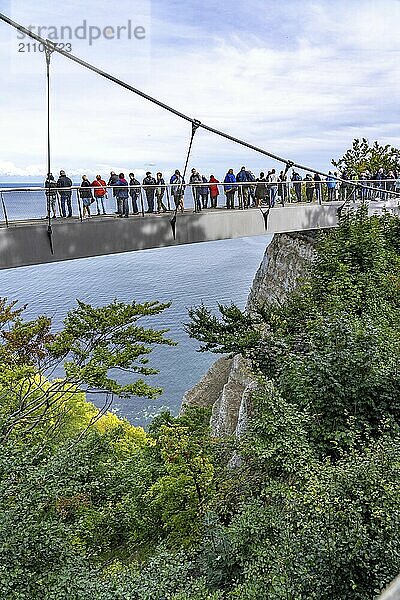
{"x": 242, "y": 190}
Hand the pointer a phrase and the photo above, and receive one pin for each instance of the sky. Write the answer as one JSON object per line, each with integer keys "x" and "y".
{"x": 301, "y": 79}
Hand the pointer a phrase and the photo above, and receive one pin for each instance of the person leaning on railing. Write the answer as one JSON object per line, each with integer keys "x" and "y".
{"x": 261, "y": 189}
{"x": 310, "y": 186}
{"x": 178, "y": 189}
{"x": 214, "y": 191}
{"x": 331, "y": 185}
{"x": 296, "y": 178}
{"x": 273, "y": 188}
{"x": 100, "y": 192}
{"x": 230, "y": 189}
{"x": 282, "y": 186}
{"x": 160, "y": 192}
{"x": 65, "y": 194}
{"x": 150, "y": 187}
{"x": 122, "y": 196}
{"x": 134, "y": 192}
{"x": 244, "y": 190}
{"x": 112, "y": 182}
{"x": 85, "y": 193}
{"x": 194, "y": 180}
{"x": 51, "y": 194}
{"x": 318, "y": 187}
{"x": 204, "y": 192}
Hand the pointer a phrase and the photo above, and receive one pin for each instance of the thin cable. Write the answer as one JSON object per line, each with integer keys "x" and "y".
{"x": 195, "y": 126}
{"x": 48, "y": 52}
{"x": 87, "y": 65}
{"x": 172, "y": 110}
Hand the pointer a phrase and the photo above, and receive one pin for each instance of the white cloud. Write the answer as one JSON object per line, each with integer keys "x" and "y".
{"x": 9, "y": 169}
{"x": 336, "y": 78}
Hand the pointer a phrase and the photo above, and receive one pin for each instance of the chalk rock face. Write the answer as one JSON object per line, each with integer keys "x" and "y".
{"x": 207, "y": 391}
{"x": 229, "y": 383}
{"x": 287, "y": 258}
{"x": 230, "y": 411}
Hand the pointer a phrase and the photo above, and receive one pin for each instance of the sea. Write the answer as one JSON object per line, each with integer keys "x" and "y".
{"x": 208, "y": 273}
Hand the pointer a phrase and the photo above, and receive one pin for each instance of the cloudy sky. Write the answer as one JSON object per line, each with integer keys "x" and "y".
{"x": 299, "y": 78}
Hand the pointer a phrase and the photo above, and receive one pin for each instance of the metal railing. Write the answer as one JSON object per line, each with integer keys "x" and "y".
{"x": 38, "y": 203}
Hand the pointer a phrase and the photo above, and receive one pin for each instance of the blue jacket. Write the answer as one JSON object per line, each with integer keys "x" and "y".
{"x": 243, "y": 176}
{"x": 331, "y": 182}
{"x": 174, "y": 179}
{"x": 178, "y": 185}
{"x": 204, "y": 191}
{"x": 121, "y": 194}
{"x": 230, "y": 178}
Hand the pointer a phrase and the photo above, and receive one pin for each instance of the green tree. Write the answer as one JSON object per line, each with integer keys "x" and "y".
{"x": 183, "y": 494}
{"x": 93, "y": 348}
{"x": 317, "y": 495}
{"x": 364, "y": 157}
{"x": 333, "y": 344}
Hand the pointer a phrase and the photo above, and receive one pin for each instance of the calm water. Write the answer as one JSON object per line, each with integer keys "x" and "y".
{"x": 184, "y": 275}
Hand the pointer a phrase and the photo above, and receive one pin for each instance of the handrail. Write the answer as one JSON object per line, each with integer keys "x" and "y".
{"x": 337, "y": 182}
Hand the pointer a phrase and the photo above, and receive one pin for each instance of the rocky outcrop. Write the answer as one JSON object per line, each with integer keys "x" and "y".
{"x": 230, "y": 411}
{"x": 229, "y": 384}
{"x": 286, "y": 259}
{"x": 208, "y": 390}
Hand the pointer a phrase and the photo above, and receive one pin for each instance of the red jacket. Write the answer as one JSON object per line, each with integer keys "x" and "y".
{"x": 214, "y": 191}
{"x": 100, "y": 186}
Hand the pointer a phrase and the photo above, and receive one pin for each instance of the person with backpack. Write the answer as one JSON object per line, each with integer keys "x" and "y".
{"x": 244, "y": 190}
{"x": 178, "y": 189}
{"x": 64, "y": 183}
{"x": 194, "y": 181}
{"x": 100, "y": 192}
{"x": 51, "y": 194}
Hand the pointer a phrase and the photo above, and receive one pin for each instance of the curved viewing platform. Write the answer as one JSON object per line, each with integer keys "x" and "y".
{"x": 28, "y": 239}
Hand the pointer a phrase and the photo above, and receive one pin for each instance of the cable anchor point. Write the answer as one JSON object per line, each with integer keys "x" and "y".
{"x": 195, "y": 125}
{"x": 48, "y": 50}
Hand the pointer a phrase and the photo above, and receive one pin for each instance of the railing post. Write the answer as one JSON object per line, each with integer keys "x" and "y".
{"x": 4, "y": 210}
{"x": 79, "y": 204}
{"x": 141, "y": 200}
{"x": 168, "y": 201}
{"x": 194, "y": 195}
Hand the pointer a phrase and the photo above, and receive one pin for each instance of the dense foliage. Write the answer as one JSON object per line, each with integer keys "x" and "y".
{"x": 92, "y": 507}
{"x": 364, "y": 157}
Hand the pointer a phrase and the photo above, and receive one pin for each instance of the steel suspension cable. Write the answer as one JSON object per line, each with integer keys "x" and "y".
{"x": 48, "y": 52}
{"x": 70, "y": 56}
{"x": 195, "y": 126}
